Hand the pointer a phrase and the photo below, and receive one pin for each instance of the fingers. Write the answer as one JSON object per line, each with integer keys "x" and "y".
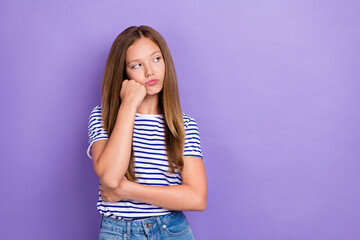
{"x": 131, "y": 81}
{"x": 101, "y": 191}
{"x": 104, "y": 198}
{"x": 102, "y": 194}
{"x": 132, "y": 90}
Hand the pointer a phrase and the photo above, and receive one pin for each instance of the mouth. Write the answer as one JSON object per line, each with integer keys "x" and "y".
{"x": 152, "y": 82}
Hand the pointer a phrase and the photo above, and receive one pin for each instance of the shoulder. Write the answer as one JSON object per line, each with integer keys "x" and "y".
{"x": 95, "y": 113}
{"x": 95, "y": 117}
{"x": 96, "y": 110}
{"x": 189, "y": 120}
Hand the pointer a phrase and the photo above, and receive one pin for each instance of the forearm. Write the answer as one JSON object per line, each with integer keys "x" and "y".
{"x": 114, "y": 160}
{"x": 177, "y": 197}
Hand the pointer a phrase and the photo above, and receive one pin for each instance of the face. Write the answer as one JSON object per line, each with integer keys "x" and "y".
{"x": 144, "y": 62}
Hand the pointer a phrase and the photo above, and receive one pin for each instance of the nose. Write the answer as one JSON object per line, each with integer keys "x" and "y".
{"x": 148, "y": 71}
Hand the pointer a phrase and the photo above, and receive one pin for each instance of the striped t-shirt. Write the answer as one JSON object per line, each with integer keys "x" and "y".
{"x": 151, "y": 162}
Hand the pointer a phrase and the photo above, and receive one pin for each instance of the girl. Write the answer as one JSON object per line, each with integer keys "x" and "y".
{"x": 146, "y": 152}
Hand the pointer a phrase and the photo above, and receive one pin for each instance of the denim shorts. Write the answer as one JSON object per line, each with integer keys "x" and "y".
{"x": 170, "y": 226}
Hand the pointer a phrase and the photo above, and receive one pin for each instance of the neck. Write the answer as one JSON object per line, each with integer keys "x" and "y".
{"x": 150, "y": 105}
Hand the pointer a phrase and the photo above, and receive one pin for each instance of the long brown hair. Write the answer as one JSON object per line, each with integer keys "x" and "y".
{"x": 169, "y": 101}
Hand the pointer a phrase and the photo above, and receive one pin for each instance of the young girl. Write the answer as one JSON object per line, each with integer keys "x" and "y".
{"x": 146, "y": 152}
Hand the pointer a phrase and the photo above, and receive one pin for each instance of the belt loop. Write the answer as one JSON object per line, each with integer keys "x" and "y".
{"x": 128, "y": 228}
{"x": 145, "y": 227}
{"x": 161, "y": 226}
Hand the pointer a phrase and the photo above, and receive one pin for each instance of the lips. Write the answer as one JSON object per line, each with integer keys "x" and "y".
{"x": 152, "y": 82}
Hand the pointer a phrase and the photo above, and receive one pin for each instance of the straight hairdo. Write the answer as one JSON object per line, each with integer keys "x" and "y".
{"x": 114, "y": 75}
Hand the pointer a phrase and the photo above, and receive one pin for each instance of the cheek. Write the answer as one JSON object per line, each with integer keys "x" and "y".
{"x": 161, "y": 68}
{"x": 131, "y": 74}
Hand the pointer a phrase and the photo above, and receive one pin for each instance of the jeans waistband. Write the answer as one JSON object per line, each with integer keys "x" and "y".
{"x": 137, "y": 225}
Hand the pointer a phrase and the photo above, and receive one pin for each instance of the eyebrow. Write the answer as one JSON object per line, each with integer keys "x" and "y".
{"x": 139, "y": 60}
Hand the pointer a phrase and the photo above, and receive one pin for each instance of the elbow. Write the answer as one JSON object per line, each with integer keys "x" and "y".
{"x": 111, "y": 182}
{"x": 107, "y": 176}
{"x": 201, "y": 203}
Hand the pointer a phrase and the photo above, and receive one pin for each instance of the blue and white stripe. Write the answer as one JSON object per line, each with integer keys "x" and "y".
{"x": 151, "y": 164}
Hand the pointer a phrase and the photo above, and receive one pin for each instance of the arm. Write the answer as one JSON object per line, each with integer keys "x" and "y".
{"x": 190, "y": 196}
{"x": 111, "y": 157}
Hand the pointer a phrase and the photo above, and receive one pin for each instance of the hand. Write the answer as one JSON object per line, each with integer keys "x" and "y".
{"x": 132, "y": 91}
{"x": 114, "y": 195}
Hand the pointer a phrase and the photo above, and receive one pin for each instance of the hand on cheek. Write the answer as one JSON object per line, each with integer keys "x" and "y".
{"x": 132, "y": 91}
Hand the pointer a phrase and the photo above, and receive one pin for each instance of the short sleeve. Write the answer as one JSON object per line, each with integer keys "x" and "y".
{"x": 192, "y": 137}
{"x": 96, "y": 129}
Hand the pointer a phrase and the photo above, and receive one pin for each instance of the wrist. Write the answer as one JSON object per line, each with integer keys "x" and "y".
{"x": 129, "y": 189}
{"x": 129, "y": 106}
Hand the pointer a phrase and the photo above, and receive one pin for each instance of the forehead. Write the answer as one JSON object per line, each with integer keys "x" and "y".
{"x": 142, "y": 48}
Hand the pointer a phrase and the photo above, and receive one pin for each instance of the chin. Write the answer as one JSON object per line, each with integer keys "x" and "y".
{"x": 153, "y": 92}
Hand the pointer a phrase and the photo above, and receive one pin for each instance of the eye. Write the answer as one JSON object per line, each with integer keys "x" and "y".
{"x": 158, "y": 58}
{"x": 135, "y": 66}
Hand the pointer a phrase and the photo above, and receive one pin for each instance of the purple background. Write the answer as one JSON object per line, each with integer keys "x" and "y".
{"x": 273, "y": 85}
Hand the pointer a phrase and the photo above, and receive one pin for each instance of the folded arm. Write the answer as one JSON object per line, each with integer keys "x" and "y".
{"x": 190, "y": 196}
